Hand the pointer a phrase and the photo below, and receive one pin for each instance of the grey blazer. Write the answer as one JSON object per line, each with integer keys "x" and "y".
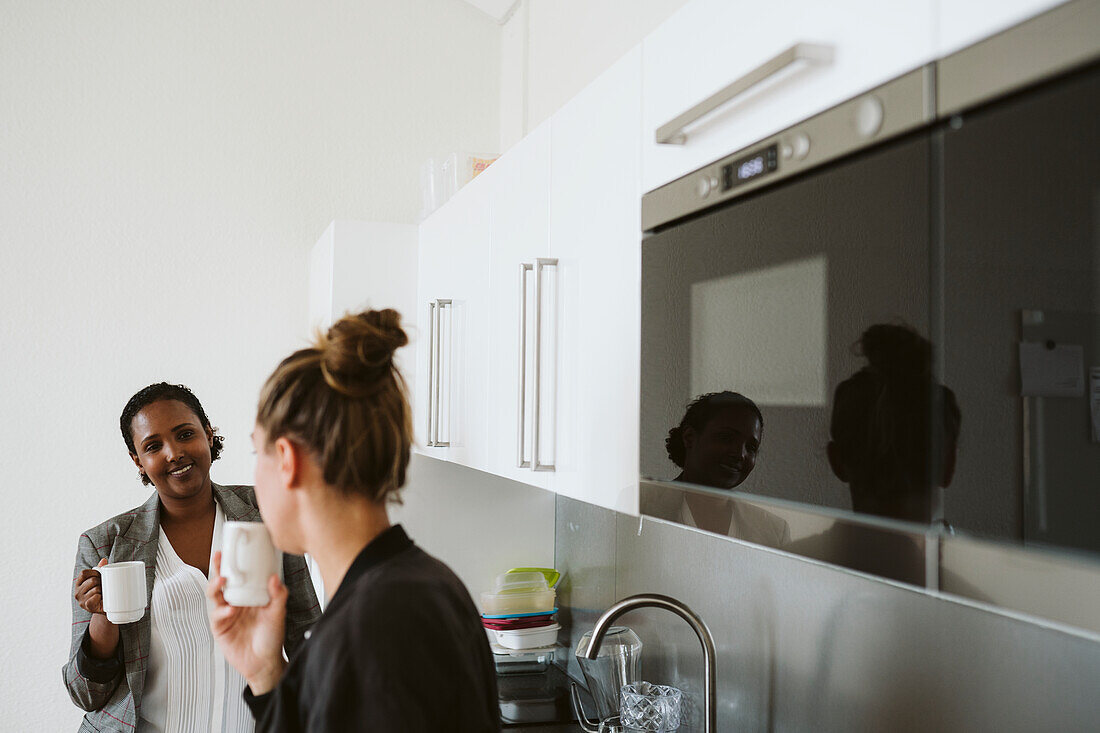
{"x": 110, "y": 690}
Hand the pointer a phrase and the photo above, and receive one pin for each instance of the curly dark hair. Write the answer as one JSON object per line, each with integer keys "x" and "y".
{"x": 156, "y": 393}
{"x": 701, "y": 410}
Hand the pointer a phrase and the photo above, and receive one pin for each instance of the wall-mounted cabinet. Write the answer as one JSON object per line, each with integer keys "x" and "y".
{"x": 594, "y": 236}
{"x": 521, "y": 395}
{"x": 529, "y": 277}
{"x": 453, "y": 303}
{"x": 535, "y": 265}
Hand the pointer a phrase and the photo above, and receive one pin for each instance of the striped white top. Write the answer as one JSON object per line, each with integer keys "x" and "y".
{"x": 188, "y": 686}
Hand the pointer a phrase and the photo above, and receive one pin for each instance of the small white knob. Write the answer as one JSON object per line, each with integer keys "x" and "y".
{"x": 702, "y": 187}
{"x": 869, "y": 116}
{"x": 800, "y": 145}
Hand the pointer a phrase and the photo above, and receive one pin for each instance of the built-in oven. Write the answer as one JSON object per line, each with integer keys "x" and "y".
{"x": 762, "y": 269}
{"x": 955, "y": 208}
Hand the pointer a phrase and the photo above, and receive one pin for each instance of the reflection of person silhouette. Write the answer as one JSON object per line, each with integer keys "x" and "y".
{"x": 883, "y": 441}
{"x": 884, "y": 445}
{"x": 716, "y": 444}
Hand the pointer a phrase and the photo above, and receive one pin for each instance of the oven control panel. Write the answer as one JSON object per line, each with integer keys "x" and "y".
{"x": 743, "y": 170}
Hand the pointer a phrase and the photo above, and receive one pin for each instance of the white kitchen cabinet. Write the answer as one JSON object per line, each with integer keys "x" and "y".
{"x": 520, "y": 242}
{"x": 595, "y": 238}
{"x": 453, "y": 313}
{"x": 964, "y": 22}
{"x": 709, "y": 44}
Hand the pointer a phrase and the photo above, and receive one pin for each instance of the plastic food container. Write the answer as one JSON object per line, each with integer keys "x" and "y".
{"x": 528, "y": 638}
{"x": 519, "y": 593}
{"x": 521, "y": 661}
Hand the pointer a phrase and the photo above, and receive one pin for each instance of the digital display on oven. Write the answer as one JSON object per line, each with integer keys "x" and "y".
{"x": 752, "y": 166}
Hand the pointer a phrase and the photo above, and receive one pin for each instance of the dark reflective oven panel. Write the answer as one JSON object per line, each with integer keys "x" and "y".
{"x": 910, "y": 330}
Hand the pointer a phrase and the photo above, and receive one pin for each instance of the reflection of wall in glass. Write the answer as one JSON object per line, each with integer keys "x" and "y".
{"x": 763, "y": 332}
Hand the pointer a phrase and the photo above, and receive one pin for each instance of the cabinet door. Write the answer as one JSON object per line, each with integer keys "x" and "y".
{"x": 963, "y": 22}
{"x": 452, "y": 368}
{"x": 595, "y": 237}
{"x": 708, "y": 44}
{"x": 519, "y": 235}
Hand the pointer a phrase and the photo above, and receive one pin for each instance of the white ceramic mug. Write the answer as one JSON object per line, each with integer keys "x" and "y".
{"x": 248, "y": 560}
{"x": 124, "y": 591}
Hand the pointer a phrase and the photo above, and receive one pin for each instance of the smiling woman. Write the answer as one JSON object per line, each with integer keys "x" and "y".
{"x": 158, "y": 672}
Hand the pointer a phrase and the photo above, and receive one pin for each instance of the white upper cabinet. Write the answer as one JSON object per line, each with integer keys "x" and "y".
{"x": 595, "y": 238}
{"x": 452, "y": 375}
{"x": 844, "y": 47}
{"x": 521, "y": 328}
{"x": 963, "y": 22}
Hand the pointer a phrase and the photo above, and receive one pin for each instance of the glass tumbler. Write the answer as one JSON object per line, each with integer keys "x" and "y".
{"x": 616, "y": 664}
{"x": 650, "y": 707}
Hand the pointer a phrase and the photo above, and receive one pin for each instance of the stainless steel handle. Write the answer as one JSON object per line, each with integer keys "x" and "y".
{"x": 431, "y": 359}
{"x": 672, "y": 133}
{"x": 540, "y": 263}
{"x": 520, "y": 430}
{"x": 435, "y": 370}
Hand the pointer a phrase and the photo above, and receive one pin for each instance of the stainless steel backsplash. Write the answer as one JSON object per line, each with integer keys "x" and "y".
{"x": 803, "y": 646}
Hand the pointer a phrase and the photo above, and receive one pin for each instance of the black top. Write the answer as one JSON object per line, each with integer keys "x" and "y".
{"x": 399, "y": 648}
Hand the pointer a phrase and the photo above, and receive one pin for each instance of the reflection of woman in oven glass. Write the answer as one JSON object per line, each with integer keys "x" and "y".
{"x": 715, "y": 445}
{"x": 883, "y": 441}
{"x": 717, "y": 441}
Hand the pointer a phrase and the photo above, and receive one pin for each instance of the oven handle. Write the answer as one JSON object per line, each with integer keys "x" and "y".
{"x": 672, "y": 133}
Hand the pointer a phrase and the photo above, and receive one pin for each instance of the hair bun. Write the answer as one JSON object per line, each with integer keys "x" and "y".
{"x": 896, "y": 351}
{"x": 357, "y": 352}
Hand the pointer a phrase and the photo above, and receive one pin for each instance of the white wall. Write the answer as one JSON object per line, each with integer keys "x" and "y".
{"x": 165, "y": 169}
{"x": 553, "y": 48}
{"x": 482, "y": 525}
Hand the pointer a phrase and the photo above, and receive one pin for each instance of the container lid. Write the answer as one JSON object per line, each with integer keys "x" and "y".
{"x": 528, "y": 632}
{"x": 552, "y": 576}
{"x": 520, "y": 615}
{"x": 524, "y": 582}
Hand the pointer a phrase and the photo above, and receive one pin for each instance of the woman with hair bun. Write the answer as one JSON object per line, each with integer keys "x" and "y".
{"x": 400, "y": 646}
{"x": 893, "y": 435}
{"x": 894, "y": 430}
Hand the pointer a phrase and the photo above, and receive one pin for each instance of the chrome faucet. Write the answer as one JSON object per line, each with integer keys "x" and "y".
{"x": 650, "y": 600}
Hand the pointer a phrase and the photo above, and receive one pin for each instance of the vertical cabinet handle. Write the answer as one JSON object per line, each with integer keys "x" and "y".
{"x": 431, "y": 371}
{"x": 435, "y": 368}
{"x": 521, "y": 461}
{"x": 536, "y": 465}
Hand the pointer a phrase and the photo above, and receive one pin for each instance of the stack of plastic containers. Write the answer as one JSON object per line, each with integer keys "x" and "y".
{"x": 518, "y": 615}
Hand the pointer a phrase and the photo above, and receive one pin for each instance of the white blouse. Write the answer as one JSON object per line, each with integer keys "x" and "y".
{"x": 188, "y": 685}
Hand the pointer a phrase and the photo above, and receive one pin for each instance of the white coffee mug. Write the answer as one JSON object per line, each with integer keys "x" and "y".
{"x": 124, "y": 591}
{"x": 248, "y": 560}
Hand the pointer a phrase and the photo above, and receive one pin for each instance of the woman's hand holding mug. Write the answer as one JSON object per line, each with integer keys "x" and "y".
{"x": 89, "y": 589}
{"x": 114, "y": 593}
{"x": 250, "y": 637}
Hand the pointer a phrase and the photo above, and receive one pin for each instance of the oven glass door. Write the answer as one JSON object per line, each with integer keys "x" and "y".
{"x": 766, "y": 296}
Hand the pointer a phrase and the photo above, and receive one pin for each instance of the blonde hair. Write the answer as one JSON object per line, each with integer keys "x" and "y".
{"x": 345, "y": 401}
